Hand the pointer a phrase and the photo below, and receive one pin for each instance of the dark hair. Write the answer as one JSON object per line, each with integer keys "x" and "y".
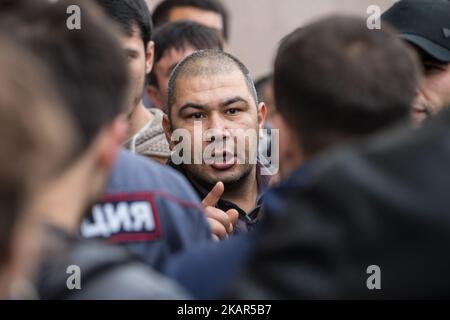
{"x": 162, "y": 11}
{"x": 35, "y": 136}
{"x": 260, "y": 83}
{"x": 217, "y": 63}
{"x": 180, "y": 35}
{"x": 88, "y": 65}
{"x": 128, "y": 13}
{"x": 336, "y": 78}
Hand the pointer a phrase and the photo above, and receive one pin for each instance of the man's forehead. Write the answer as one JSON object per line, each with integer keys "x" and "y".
{"x": 211, "y": 88}
{"x": 205, "y": 17}
{"x": 131, "y": 39}
{"x": 175, "y": 54}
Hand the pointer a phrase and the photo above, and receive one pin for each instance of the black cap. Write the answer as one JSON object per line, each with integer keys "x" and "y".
{"x": 424, "y": 23}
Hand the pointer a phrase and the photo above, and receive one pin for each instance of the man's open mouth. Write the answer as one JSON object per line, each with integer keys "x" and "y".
{"x": 222, "y": 160}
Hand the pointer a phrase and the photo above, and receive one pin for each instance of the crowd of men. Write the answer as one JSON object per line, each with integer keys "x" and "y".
{"x": 138, "y": 150}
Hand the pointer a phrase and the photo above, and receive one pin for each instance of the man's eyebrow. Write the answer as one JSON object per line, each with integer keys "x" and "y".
{"x": 192, "y": 105}
{"x": 131, "y": 51}
{"x": 232, "y": 100}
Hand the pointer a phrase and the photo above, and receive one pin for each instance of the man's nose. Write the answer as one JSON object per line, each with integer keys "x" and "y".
{"x": 218, "y": 127}
{"x": 420, "y": 99}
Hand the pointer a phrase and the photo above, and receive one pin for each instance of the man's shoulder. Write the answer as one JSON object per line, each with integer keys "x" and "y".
{"x": 134, "y": 173}
{"x": 151, "y": 140}
{"x": 128, "y": 162}
{"x": 136, "y": 282}
{"x": 149, "y": 207}
{"x": 102, "y": 269}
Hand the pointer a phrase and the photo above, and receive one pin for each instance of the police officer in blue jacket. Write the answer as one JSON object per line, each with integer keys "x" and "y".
{"x": 149, "y": 208}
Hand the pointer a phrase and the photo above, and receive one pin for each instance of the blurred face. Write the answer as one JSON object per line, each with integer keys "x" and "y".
{"x": 26, "y": 251}
{"x": 223, "y": 106}
{"x": 434, "y": 92}
{"x": 290, "y": 155}
{"x": 162, "y": 69}
{"x": 270, "y": 104}
{"x": 139, "y": 63}
{"x": 207, "y": 18}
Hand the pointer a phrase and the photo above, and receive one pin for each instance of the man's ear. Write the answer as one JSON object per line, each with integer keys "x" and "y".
{"x": 262, "y": 112}
{"x": 110, "y": 141}
{"x": 168, "y": 131}
{"x": 149, "y": 56}
{"x": 155, "y": 97}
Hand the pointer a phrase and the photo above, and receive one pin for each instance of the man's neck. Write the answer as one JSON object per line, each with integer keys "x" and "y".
{"x": 246, "y": 194}
{"x": 64, "y": 202}
{"x": 139, "y": 118}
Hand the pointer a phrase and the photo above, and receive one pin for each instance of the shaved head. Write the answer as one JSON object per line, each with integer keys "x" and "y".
{"x": 212, "y": 101}
{"x": 205, "y": 63}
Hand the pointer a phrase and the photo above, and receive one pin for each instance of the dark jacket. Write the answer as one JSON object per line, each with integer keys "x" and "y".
{"x": 107, "y": 272}
{"x": 384, "y": 204}
{"x": 206, "y": 271}
{"x": 150, "y": 209}
{"x": 247, "y": 220}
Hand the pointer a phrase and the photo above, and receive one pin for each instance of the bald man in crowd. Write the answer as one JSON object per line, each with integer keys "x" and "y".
{"x": 214, "y": 92}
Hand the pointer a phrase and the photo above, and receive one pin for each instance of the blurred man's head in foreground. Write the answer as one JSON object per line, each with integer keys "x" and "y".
{"x": 89, "y": 71}
{"x": 36, "y": 140}
{"x": 334, "y": 81}
{"x": 80, "y": 61}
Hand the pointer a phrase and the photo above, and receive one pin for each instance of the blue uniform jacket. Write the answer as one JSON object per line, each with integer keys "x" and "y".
{"x": 149, "y": 208}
